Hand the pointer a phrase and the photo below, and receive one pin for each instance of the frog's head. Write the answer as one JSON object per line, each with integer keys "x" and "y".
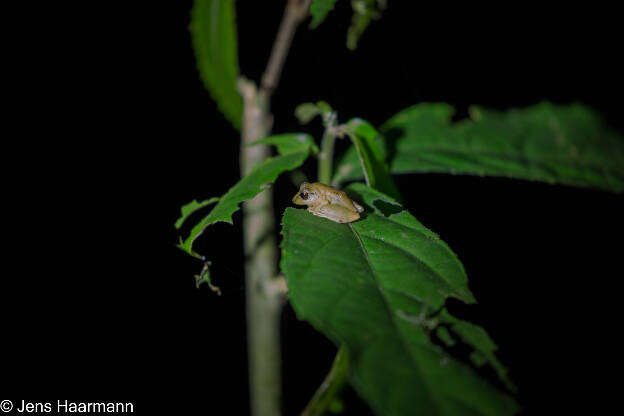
{"x": 306, "y": 195}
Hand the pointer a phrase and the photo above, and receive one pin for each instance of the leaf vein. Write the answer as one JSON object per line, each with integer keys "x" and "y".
{"x": 431, "y": 269}
{"x": 392, "y": 316}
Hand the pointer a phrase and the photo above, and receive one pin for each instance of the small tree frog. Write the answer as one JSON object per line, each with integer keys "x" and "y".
{"x": 327, "y": 202}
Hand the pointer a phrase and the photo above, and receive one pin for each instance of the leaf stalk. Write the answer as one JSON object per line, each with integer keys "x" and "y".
{"x": 326, "y": 157}
{"x": 329, "y": 391}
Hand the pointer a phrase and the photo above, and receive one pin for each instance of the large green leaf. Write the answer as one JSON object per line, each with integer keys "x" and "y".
{"x": 568, "y": 144}
{"x": 374, "y": 286}
{"x": 260, "y": 178}
{"x": 213, "y": 32}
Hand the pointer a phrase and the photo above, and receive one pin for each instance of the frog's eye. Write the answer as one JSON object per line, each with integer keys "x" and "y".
{"x": 304, "y": 195}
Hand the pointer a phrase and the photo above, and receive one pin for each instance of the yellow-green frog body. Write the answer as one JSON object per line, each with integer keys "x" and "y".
{"x": 327, "y": 202}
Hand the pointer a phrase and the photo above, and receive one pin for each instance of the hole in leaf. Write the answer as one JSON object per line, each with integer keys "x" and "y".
{"x": 446, "y": 338}
{"x": 387, "y": 208}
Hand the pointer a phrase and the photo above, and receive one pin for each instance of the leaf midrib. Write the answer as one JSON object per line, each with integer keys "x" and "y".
{"x": 393, "y": 319}
{"x": 448, "y": 284}
{"x": 435, "y": 239}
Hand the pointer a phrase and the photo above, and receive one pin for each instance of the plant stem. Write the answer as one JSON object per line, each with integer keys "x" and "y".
{"x": 326, "y": 157}
{"x": 263, "y": 346}
{"x": 331, "y": 387}
{"x": 338, "y": 375}
{"x": 263, "y": 301}
{"x": 296, "y": 11}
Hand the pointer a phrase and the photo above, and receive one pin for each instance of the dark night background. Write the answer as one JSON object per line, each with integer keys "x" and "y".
{"x": 126, "y": 321}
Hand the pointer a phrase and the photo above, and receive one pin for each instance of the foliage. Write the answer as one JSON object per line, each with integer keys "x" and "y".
{"x": 568, "y": 144}
{"x": 319, "y": 10}
{"x": 261, "y": 177}
{"x": 377, "y": 287}
{"x": 484, "y": 346}
{"x": 187, "y": 210}
{"x": 307, "y": 111}
{"x": 371, "y": 157}
{"x": 213, "y": 31}
{"x": 364, "y": 12}
{"x": 371, "y": 285}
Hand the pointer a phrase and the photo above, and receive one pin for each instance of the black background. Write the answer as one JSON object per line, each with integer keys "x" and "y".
{"x": 121, "y": 319}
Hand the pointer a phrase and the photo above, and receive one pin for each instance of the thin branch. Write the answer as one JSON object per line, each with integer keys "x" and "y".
{"x": 296, "y": 11}
{"x": 326, "y": 157}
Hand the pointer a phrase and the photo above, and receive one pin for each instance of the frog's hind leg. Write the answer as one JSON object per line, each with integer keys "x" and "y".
{"x": 336, "y": 213}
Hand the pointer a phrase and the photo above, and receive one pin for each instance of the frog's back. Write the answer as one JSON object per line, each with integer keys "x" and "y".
{"x": 326, "y": 189}
{"x": 334, "y": 196}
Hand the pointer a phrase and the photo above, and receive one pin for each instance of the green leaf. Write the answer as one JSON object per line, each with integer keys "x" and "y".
{"x": 364, "y": 12}
{"x": 327, "y": 397}
{"x": 484, "y": 346}
{"x": 213, "y": 33}
{"x": 305, "y": 112}
{"x": 370, "y": 285}
{"x": 290, "y": 142}
{"x": 569, "y": 145}
{"x": 445, "y": 336}
{"x": 261, "y": 177}
{"x": 190, "y": 208}
{"x": 376, "y": 172}
{"x": 319, "y": 10}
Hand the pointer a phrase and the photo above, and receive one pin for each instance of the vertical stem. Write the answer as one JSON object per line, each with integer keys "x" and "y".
{"x": 263, "y": 305}
{"x": 263, "y": 301}
{"x": 326, "y": 157}
{"x": 338, "y": 375}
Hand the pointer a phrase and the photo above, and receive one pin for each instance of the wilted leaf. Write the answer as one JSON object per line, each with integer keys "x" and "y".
{"x": 204, "y": 277}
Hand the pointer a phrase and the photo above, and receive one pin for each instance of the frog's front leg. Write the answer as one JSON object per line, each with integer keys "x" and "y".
{"x": 317, "y": 208}
{"x": 336, "y": 213}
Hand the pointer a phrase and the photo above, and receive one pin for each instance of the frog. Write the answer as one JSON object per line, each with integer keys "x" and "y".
{"x": 327, "y": 202}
